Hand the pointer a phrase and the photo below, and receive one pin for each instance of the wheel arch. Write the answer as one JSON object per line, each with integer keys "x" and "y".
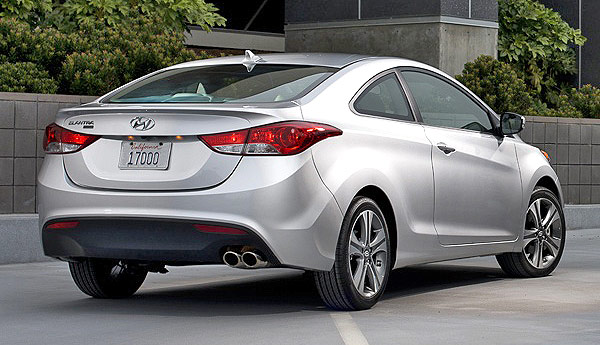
{"x": 548, "y": 182}
{"x": 382, "y": 200}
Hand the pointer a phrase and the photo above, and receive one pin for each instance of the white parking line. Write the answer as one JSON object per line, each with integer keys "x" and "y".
{"x": 351, "y": 334}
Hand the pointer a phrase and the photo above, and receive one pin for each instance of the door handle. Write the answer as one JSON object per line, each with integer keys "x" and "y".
{"x": 446, "y": 149}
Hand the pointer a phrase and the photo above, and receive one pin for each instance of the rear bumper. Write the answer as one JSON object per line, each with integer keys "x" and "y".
{"x": 163, "y": 240}
{"x": 281, "y": 201}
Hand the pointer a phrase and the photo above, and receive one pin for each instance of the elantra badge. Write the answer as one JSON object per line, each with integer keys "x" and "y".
{"x": 141, "y": 123}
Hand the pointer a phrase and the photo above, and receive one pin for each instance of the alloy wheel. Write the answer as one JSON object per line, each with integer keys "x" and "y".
{"x": 543, "y": 233}
{"x": 367, "y": 254}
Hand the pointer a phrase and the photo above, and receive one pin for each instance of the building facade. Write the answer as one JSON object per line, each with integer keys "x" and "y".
{"x": 583, "y": 14}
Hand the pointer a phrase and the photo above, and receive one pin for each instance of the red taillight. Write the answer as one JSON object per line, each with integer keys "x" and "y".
{"x": 284, "y": 138}
{"x": 219, "y": 229}
{"x": 61, "y": 140}
{"x": 231, "y": 142}
{"x": 63, "y": 225}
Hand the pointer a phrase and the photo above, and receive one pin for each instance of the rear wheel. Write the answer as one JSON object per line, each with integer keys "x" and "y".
{"x": 106, "y": 278}
{"x": 543, "y": 238}
{"x": 362, "y": 262}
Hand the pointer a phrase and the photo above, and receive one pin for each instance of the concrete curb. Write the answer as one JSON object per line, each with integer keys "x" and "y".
{"x": 20, "y": 239}
{"x": 580, "y": 217}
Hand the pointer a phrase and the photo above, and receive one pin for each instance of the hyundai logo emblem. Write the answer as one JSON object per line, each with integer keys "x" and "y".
{"x": 141, "y": 123}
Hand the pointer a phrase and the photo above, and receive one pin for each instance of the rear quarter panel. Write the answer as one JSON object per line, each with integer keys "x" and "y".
{"x": 391, "y": 155}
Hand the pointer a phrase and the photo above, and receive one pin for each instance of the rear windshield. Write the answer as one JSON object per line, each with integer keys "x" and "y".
{"x": 225, "y": 84}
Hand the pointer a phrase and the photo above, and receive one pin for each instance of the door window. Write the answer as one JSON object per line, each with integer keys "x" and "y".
{"x": 384, "y": 97}
{"x": 442, "y": 104}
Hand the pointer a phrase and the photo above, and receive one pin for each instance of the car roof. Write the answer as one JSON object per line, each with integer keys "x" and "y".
{"x": 336, "y": 60}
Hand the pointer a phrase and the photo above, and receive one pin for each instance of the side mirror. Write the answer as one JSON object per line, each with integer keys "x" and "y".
{"x": 511, "y": 123}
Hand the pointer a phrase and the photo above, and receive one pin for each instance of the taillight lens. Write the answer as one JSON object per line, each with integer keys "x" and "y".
{"x": 61, "y": 140}
{"x": 284, "y": 138}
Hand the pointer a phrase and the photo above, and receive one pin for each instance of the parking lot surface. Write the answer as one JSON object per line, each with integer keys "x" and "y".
{"x": 460, "y": 302}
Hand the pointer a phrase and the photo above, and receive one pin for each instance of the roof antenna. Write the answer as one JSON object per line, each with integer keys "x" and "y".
{"x": 250, "y": 60}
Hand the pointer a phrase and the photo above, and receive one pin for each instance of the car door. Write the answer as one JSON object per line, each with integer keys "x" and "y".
{"x": 477, "y": 184}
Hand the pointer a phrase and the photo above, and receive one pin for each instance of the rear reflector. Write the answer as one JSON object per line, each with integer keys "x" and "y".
{"x": 283, "y": 138}
{"x": 63, "y": 225}
{"x": 61, "y": 140}
{"x": 219, "y": 229}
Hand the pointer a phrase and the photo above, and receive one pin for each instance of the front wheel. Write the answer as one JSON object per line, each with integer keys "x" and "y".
{"x": 543, "y": 238}
{"x": 362, "y": 263}
{"x": 106, "y": 278}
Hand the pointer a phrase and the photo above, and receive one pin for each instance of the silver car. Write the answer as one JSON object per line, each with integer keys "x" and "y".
{"x": 346, "y": 166}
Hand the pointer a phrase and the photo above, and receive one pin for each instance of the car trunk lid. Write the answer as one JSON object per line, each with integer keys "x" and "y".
{"x": 189, "y": 164}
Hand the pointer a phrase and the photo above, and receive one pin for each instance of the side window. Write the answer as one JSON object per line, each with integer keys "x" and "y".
{"x": 384, "y": 97}
{"x": 442, "y": 104}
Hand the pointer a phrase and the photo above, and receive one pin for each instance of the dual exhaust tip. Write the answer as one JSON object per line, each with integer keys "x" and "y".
{"x": 247, "y": 259}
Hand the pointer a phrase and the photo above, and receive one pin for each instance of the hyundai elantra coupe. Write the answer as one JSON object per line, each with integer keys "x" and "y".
{"x": 346, "y": 166}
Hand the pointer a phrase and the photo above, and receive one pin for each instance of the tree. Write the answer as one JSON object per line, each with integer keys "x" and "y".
{"x": 70, "y": 15}
{"x": 538, "y": 43}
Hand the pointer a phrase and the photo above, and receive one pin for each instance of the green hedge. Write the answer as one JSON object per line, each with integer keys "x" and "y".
{"x": 25, "y": 77}
{"x": 93, "y": 60}
{"x": 500, "y": 85}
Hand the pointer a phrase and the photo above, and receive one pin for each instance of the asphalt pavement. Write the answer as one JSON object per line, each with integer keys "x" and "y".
{"x": 459, "y": 302}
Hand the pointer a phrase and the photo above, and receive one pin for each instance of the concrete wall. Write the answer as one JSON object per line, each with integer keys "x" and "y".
{"x": 444, "y": 45}
{"x": 574, "y": 148}
{"x": 442, "y": 33}
{"x": 23, "y": 118}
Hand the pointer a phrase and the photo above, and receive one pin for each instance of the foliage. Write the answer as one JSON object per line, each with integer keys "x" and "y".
{"x": 94, "y": 59}
{"x": 586, "y": 100}
{"x": 94, "y": 73}
{"x": 498, "y": 84}
{"x": 536, "y": 41}
{"x": 25, "y": 77}
{"x": 26, "y": 10}
{"x": 71, "y": 15}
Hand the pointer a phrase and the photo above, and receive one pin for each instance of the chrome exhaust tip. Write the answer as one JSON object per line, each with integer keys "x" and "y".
{"x": 253, "y": 260}
{"x": 233, "y": 259}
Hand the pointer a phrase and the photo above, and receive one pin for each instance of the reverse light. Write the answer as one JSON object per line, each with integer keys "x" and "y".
{"x": 283, "y": 138}
{"x": 61, "y": 140}
{"x": 63, "y": 225}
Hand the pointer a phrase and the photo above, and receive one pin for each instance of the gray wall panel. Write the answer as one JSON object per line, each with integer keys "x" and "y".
{"x": 590, "y": 59}
{"x": 302, "y": 11}
{"x": 399, "y": 8}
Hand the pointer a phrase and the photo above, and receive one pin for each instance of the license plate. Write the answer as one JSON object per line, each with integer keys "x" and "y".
{"x": 144, "y": 155}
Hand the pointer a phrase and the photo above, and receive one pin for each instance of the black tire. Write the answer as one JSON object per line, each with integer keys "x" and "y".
{"x": 336, "y": 287}
{"x": 516, "y": 264}
{"x": 106, "y": 279}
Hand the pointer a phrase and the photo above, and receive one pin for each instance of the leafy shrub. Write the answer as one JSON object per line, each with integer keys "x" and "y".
{"x": 27, "y": 10}
{"x": 586, "y": 100}
{"x": 96, "y": 58}
{"x": 498, "y": 84}
{"x": 94, "y": 73}
{"x": 25, "y": 77}
{"x": 69, "y": 15}
{"x": 536, "y": 41}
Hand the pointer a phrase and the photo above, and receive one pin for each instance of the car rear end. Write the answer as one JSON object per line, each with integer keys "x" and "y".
{"x": 183, "y": 167}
